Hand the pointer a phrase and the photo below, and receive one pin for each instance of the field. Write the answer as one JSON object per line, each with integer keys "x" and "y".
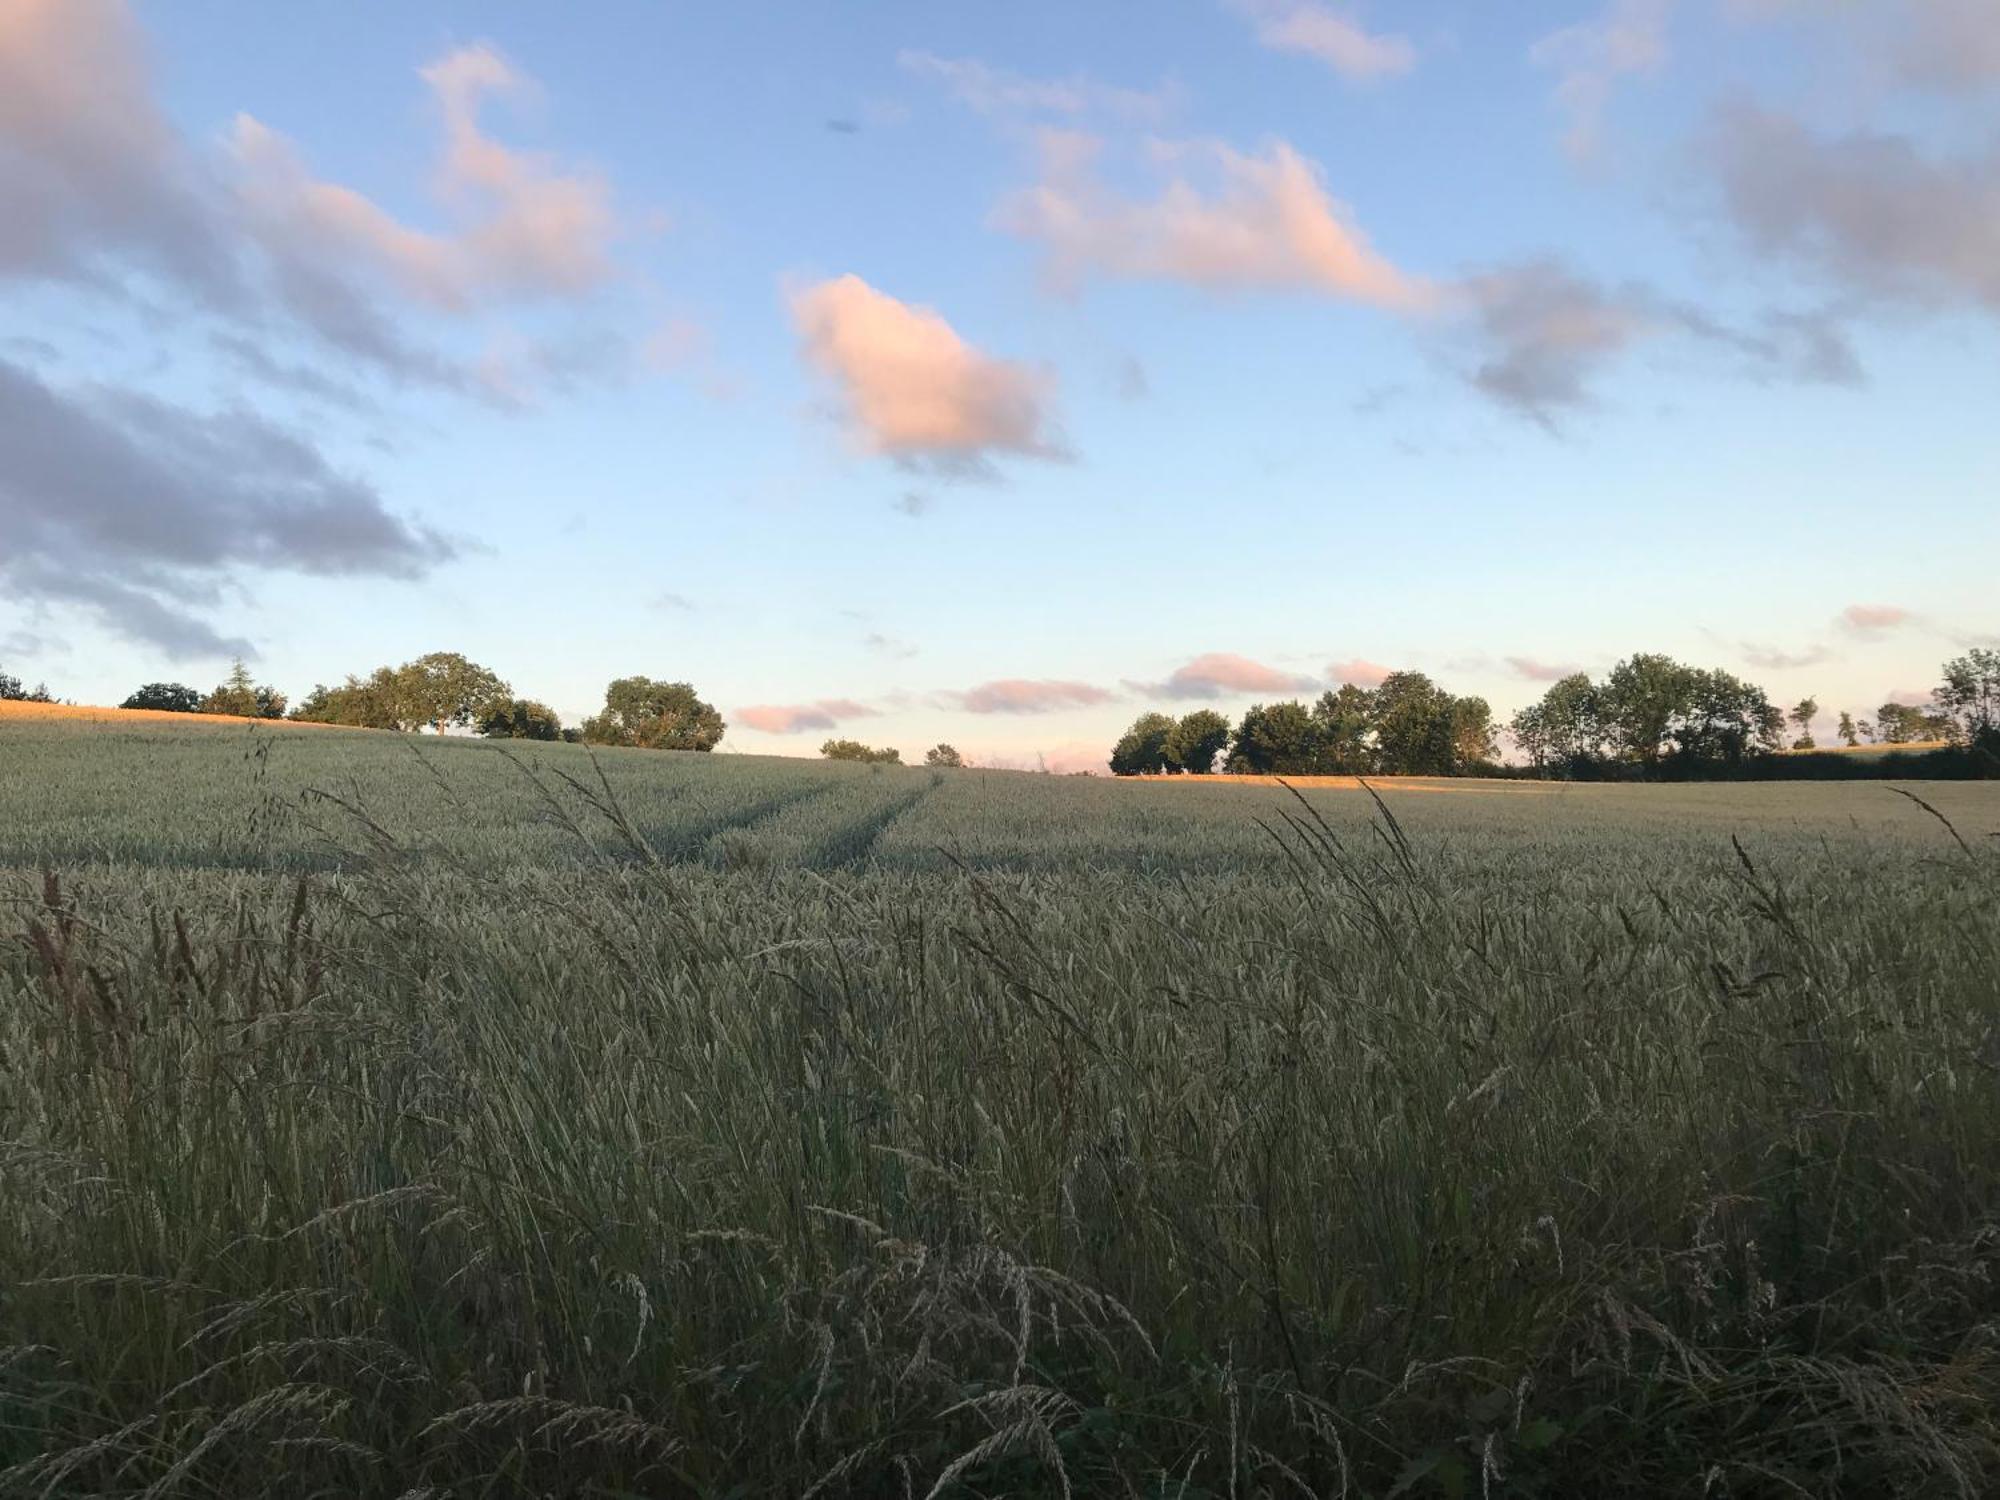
{"x": 417, "y": 1118}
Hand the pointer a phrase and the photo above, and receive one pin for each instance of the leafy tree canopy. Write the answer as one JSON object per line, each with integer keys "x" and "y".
{"x": 520, "y": 719}
{"x": 1142, "y": 749}
{"x": 166, "y": 697}
{"x": 1195, "y": 741}
{"x": 855, "y": 750}
{"x": 943, "y": 755}
{"x": 654, "y": 715}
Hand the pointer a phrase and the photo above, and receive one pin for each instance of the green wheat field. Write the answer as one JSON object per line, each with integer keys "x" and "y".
{"x": 419, "y": 1118}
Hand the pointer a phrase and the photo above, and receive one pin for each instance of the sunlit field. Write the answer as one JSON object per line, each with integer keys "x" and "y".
{"x": 417, "y": 1117}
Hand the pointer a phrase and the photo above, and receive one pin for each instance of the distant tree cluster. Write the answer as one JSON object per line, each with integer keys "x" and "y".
{"x": 855, "y": 750}
{"x": 1653, "y": 713}
{"x": 943, "y": 755}
{"x": 1408, "y": 726}
{"x": 13, "y": 690}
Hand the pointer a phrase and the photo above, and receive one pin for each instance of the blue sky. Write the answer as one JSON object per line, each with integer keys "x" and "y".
{"x": 990, "y": 374}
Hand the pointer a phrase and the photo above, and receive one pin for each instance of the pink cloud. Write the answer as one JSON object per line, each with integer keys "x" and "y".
{"x": 1361, "y": 673}
{"x": 796, "y": 718}
{"x": 1220, "y": 674}
{"x": 1338, "y": 40}
{"x": 1066, "y": 760}
{"x": 1538, "y": 671}
{"x": 912, "y": 387}
{"x": 1232, "y": 221}
{"x": 1867, "y": 619}
{"x": 526, "y": 226}
{"x": 1015, "y": 695}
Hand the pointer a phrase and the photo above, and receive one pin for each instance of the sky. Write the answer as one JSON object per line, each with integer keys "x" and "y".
{"x": 991, "y": 374}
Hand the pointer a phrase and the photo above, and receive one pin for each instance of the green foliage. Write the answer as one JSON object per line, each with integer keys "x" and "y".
{"x": 1142, "y": 749}
{"x": 854, "y": 750}
{"x": 1343, "y": 731}
{"x": 443, "y": 689}
{"x": 370, "y": 703}
{"x": 167, "y": 697}
{"x": 943, "y": 755}
{"x": 1847, "y": 733}
{"x": 241, "y": 696}
{"x": 1195, "y": 741}
{"x": 13, "y": 690}
{"x": 1568, "y": 729}
{"x": 654, "y": 715}
{"x": 1902, "y": 724}
{"x": 520, "y": 719}
{"x": 1277, "y": 740}
{"x": 1969, "y": 697}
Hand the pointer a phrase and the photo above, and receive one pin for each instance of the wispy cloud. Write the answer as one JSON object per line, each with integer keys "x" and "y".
{"x": 989, "y": 90}
{"x": 1629, "y": 37}
{"x": 1776, "y": 659}
{"x": 1532, "y": 669}
{"x": 1875, "y": 619}
{"x": 1224, "y": 220}
{"x": 797, "y": 718}
{"x": 1222, "y": 674}
{"x": 1017, "y": 695}
{"x": 1335, "y": 37}
{"x": 1361, "y": 673}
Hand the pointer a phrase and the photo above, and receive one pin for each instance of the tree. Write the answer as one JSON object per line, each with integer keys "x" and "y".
{"x": 1723, "y": 721}
{"x": 1969, "y": 697}
{"x": 12, "y": 690}
{"x": 654, "y": 716}
{"x": 1848, "y": 733}
{"x": 1642, "y": 697}
{"x": 242, "y": 697}
{"x": 943, "y": 755}
{"x": 1142, "y": 750}
{"x": 443, "y": 688}
{"x": 855, "y": 750}
{"x": 1273, "y": 741}
{"x": 1343, "y": 723}
{"x": 1803, "y": 713}
{"x": 1193, "y": 744}
{"x": 370, "y": 703}
{"x": 520, "y": 719}
{"x": 1901, "y": 724}
{"x": 1567, "y": 729}
{"x": 166, "y": 697}
{"x": 1414, "y": 727}
{"x": 1472, "y": 735}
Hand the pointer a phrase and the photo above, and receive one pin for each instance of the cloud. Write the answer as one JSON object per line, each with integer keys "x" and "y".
{"x": 1870, "y": 211}
{"x": 1224, "y": 220}
{"x": 1874, "y": 619}
{"x": 1015, "y": 695}
{"x": 914, "y": 503}
{"x": 678, "y": 603}
{"x": 796, "y": 718}
{"x": 1333, "y": 37}
{"x": 1221, "y": 674}
{"x": 995, "y": 91}
{"x": 1950, "y": 45}
{"x": 1361, "y": 673}
{"x": 1772, "y": 659}
{"x": 139, "y": 510}
{"x": 91, "y": 171}
{"x": 1629, "y": 37}
{"x": 1533, "y": 670}
{"x": 889, "y": 645}
{"x": 99, "y": 184}
{"x": 913, "y": 389}
{"x": 1545, "y": 332}
{"x": 1130, "y": 380}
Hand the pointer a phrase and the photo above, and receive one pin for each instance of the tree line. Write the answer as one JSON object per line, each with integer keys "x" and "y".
{"x": 1650, "y": 716}
{"x": 446, "y": 690}
{"x": 1405, "y": 726}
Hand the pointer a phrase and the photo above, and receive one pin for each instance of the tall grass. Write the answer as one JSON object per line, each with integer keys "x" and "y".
{"x": 1349, "y": 1169}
